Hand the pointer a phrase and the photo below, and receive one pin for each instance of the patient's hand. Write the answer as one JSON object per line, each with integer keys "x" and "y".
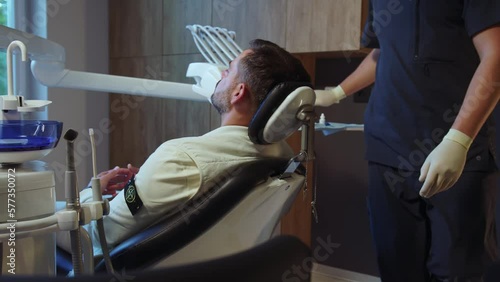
{"x": 133, "y": 169}
{"x": 115, "y": 179}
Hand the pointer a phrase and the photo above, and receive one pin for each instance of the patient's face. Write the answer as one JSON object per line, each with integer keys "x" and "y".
{"x": 221, "y": 99}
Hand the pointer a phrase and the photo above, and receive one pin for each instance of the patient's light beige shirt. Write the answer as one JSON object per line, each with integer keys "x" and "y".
{"x": 174, "y": 173}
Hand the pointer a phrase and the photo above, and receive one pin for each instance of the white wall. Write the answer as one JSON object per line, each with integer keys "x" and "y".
{"x": 82, "y": 28}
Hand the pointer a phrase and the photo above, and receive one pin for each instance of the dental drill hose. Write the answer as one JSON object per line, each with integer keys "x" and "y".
{"x": 73, "y": 200}
{"x": 104, "y": 246}
{"x": 97, "y": 196}
{"x": 72, "y": 203}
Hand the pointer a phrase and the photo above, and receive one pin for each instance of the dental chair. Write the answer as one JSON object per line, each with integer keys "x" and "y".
{"x": 243, "y": 207}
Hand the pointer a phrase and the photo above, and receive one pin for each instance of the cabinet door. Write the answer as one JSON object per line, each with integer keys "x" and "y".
{"x": 323, "y": 25}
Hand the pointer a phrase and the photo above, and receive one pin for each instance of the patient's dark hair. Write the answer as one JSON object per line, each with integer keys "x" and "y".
{"x": 268, "y": 65}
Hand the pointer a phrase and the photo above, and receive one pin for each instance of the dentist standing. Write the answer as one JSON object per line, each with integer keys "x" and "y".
{"x": 429, "y": 134}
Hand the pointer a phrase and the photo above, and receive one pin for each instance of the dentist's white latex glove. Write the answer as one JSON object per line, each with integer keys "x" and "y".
{"x": 445, "y": 164}
{"x": 328, "y": 97}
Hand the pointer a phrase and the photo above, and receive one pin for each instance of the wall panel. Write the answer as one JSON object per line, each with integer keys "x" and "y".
{"x": 323, "y": 25}
{"x": 176, "y": 15}
{"x": 135, "y": 28}
{"x": 135, "y": 119}
{"x": 252, "y": 19}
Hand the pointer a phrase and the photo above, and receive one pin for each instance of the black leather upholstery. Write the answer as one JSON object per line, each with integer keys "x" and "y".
{"x": 273, "y": 100}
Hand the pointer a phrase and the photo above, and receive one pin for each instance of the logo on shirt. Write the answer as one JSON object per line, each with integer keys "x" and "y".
{"x": 130, "y": 195}
{"x": 132, "y": 199}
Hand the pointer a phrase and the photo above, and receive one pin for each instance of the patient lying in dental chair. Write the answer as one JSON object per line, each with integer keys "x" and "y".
{"x": 181, "y": 168}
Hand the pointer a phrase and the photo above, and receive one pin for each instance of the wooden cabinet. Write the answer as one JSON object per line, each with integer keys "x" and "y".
{"x": 297, "y": 25}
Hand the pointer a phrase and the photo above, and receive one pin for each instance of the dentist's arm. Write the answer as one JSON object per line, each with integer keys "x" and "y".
{"x": 484, "y": 90}
{"x": 362, "y": 77}
{"x": 445, "y": 163}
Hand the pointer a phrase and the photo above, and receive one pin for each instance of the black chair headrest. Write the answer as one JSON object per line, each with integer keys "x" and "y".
{"x": 276, "y": 117}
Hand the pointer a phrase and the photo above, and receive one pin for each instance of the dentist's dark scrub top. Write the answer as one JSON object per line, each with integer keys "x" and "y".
{"x": 426, "y": 63}
{"x": 427, "y": 60}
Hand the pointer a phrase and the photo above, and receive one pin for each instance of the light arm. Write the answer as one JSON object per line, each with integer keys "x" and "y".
{"x": 54, "y": 75}
{"x": 38, "y": 48}
{"x": 48, "y": 67}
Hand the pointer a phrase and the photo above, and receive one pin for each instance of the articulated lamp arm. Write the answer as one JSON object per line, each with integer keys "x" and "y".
{"x": 48, "y": 67}
{"x": 53, "y": 74}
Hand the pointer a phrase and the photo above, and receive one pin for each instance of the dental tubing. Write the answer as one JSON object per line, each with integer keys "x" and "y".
{"x": 97, "y": 197}
{"x": 73, "y": 201}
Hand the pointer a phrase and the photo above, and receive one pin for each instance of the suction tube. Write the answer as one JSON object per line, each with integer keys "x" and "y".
{"x": 97, "y": 196}
{"x": 73, "y": 200}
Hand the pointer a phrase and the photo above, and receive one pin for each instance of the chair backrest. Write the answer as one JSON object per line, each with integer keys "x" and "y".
{"x": 252, "y": 221}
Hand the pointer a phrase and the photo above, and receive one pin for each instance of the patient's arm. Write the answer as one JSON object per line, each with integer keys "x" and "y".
{"x": 167, "y": 179}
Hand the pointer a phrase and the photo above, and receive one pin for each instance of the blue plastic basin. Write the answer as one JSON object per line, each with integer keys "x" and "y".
{"x": 29, "y": 135}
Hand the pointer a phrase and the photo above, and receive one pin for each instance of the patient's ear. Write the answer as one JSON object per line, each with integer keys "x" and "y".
{"x": 240, "y": 93}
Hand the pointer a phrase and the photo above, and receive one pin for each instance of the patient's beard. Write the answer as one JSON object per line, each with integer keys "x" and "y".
{"x": 221, "y": 101}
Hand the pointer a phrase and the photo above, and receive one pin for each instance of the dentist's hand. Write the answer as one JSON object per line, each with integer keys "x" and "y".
{"x": 445, "y": 164}
{"x": 328, "y": 97}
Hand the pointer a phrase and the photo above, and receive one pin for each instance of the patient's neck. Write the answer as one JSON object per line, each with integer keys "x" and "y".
{"x": 235, "y": 119}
